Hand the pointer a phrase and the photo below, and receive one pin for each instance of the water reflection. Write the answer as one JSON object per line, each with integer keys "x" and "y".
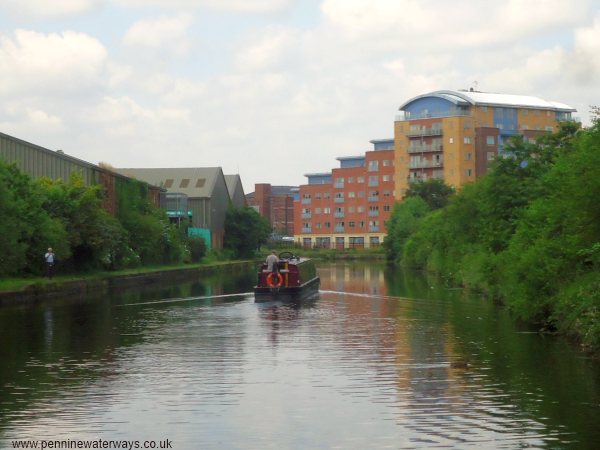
{"x": 377, "y": 360}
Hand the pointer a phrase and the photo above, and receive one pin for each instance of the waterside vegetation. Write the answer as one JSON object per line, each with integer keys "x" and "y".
{"x": 527, "y": 233}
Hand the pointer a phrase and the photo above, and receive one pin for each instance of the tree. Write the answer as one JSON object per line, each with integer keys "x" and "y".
{"x": 434, "y": 191}
{"x": 245, "y": 231}
{"x": 403, "y": 222}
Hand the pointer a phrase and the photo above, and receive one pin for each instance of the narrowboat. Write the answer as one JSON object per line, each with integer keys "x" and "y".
{"x": 295, "y": 279}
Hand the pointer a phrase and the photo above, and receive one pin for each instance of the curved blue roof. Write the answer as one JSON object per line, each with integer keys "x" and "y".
{"x": 465, "y": 98}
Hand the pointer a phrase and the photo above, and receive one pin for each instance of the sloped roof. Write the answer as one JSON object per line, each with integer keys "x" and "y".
{"x": 232, "y": 181}
{"x": 195, "y": 182}
{"x": 492, "y": 99}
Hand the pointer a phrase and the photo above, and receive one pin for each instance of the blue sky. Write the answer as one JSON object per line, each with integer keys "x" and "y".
{"x": 271, "y": 89}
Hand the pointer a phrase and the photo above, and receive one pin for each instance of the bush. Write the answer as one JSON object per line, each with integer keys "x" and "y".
{"x": 197, "y": 248}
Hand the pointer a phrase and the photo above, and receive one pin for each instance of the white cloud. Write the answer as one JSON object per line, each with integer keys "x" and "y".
{"x": 45, "y": 8}
{"x": 439, "y": 25}
{"x": 161, "y": 32}
{"x": 50, "y": 64}
{"x": 268, "y": 51}
{"x": 239, "y": 90}
{"x": 240, "y": 6}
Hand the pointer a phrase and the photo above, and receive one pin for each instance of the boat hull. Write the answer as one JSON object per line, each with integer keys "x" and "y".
{"x": 298, "y": 293}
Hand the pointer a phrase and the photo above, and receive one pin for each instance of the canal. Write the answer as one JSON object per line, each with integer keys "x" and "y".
{"x": 377, "y": 361}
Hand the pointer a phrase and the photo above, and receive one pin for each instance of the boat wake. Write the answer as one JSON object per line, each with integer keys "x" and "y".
{"x": 185, "y": 299}
{"x": 360, "y": 294}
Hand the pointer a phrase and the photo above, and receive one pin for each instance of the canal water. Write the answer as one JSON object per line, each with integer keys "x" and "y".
{"x": 377, "y": 361}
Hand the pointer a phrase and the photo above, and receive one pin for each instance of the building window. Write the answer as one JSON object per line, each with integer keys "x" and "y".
{"x": 467, "y": 140}
{"x": 168, "y": 183}
{"x": 318, "y": 195}
{"x": 491, "y": 156}
{"x": 387, "y": 162}
{"x": 360, "y": 179}
{"x": 200, "y": 182}
{"x": 387, "y": 207}
{"x": 351, "y": 209}
{"x": 386, "y": 178}
{"x": 548, "y": 128}
{"x": 351, "y": 194}
{"x": 450, "y": 140}
{"x": 184, "y": 183}
{"x": 387, "y": 193}
{"x": 317, "y": 210}
{"x": 490, "y": 140}
{"x": 351, "y": 224}
{"x": 468, "y": 156}
{"x": 468, "y": 172}
{"x": 326, "y": 210}
{"x": 373, "y": 166}
{"x": 361, "y": 194}
{"x": 360, "y": 209}
{"x": 327, "y": 224}
{"x": 350, "y": 179}
{"x": 326, "y": 195}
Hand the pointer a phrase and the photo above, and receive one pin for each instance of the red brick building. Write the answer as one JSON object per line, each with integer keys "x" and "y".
{"x": 276, "y": 204}
{"x": 349, "y": 206}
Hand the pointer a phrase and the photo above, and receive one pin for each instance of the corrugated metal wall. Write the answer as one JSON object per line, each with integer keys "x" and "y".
{"x": 39, "y": 162}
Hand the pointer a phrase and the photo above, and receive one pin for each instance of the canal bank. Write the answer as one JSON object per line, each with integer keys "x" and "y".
{"x": 44, "y": 289}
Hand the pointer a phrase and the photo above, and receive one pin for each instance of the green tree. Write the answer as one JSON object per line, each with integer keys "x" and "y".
{"x": 403, "y": 222}
{"x": 245, "y": 231}
{"x": 433, "y": 191}
{"x": 27, "y": 230}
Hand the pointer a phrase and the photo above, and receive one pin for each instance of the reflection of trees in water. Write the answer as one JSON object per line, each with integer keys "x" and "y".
{"x": 71, "y": 341}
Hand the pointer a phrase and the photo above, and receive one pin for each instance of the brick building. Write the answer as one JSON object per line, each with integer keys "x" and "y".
{"x": 276, "y": 204}
{"x": 456, "y": 135}
{"x": 349, "y": 206}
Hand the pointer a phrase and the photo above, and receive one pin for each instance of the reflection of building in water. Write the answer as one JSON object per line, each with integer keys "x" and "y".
{"x": 407, "y": 343}
{"x": 354, "y": 278}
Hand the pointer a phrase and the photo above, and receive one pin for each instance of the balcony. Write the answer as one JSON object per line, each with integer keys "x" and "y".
{"x": 339, "y": 229}
{"x": 426, "y": 148}
{"x": 338, "y": 200}
{"x": 338, "y": 215}
{"x": 373, "y": 229}
{"x": 433, "y": 131}
{"x": 452, "y": 112}
{"x": 373, "y": 213}
{"x": 306, "y": 215}
{"x": 306, "y": 201}
{"x": 373, "y": 198}
{"x": 339, "y": 185}
{"x": 306, "y": 229}
{"x": 425, "y": 164}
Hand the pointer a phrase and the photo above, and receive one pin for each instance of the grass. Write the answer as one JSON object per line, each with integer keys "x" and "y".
{"x": 19, "y": 284}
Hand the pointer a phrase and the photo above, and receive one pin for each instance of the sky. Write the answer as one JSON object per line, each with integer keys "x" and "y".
{"x": 271, "y": 89}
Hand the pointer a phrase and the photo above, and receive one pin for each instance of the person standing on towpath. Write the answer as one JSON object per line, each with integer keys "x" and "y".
{"x": 49, "y": 262}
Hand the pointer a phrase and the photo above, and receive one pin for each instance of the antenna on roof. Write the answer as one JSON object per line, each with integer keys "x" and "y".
{"x": 474, "y": 88}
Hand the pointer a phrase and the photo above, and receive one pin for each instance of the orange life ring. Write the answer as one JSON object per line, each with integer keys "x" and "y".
{"x": 271, "y": 282}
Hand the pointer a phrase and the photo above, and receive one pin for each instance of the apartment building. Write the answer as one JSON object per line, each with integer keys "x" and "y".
{"x": 456, "y": 135}
{"x": 348, "y": 207}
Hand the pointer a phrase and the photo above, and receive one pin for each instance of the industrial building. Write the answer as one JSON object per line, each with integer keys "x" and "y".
{"x": 200, "y": 194}
{"x": 37, "y": 162}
